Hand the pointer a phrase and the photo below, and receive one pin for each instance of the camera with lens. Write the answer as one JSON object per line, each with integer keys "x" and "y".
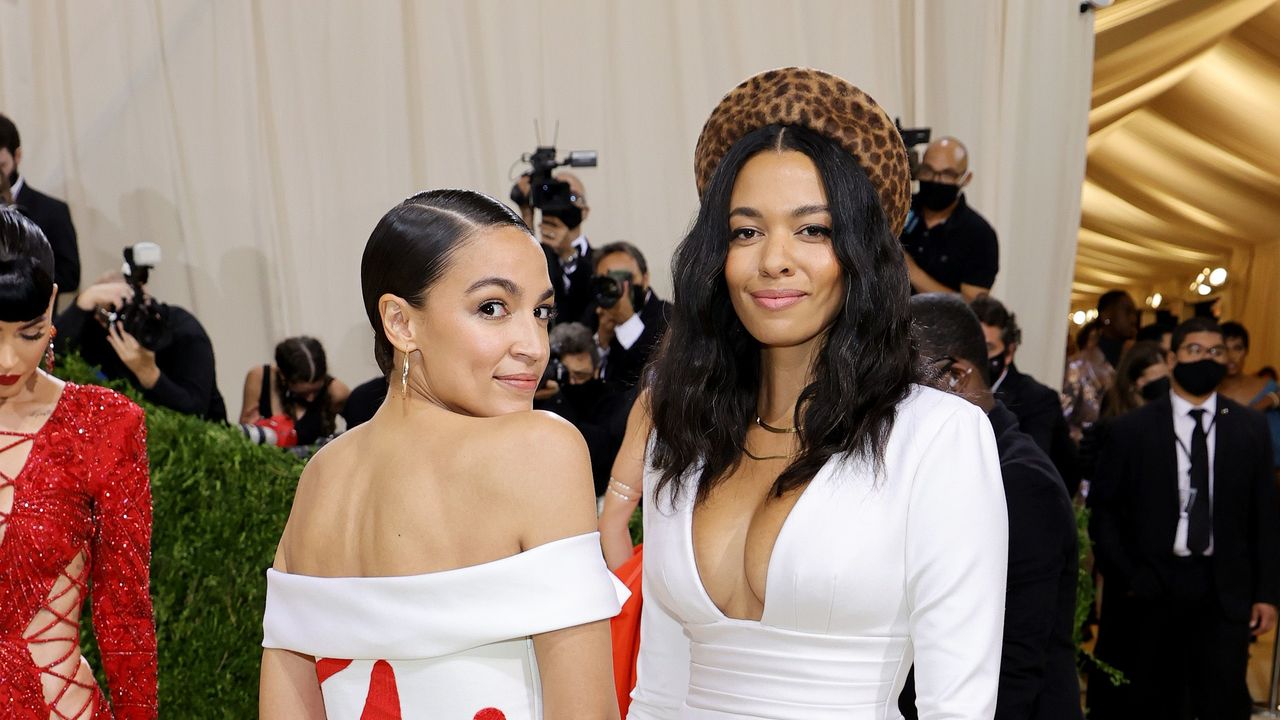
{"x": 545, "y": 192}
{"x": 556, "y": 371}
{"x": 278, "y": 430}
{"x": 141, "y": 316}
{"x": 608, "y": 289}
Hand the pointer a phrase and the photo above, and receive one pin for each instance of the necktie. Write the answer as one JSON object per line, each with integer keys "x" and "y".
{"x": 1200, "y": 518}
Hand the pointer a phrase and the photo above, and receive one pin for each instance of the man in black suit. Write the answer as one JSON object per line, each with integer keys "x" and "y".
{"x": 1037, "y": 406}
{"x": 1038, "y": 679}
{"x": 570, "y": 257}
{"x": 50, "y": 213}
{"x": 630, "y": 328}
{"x": 1184, "y": 526}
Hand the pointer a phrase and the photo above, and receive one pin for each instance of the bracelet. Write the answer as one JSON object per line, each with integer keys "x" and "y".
{"x": 625, "y": 498}
{"x": 619, "y": 483}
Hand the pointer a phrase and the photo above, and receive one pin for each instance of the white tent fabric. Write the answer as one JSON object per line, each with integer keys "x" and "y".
{"x": 258, "y": 142}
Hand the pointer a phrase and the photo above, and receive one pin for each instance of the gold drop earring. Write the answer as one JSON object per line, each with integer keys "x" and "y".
{"x": 404, "y": 376}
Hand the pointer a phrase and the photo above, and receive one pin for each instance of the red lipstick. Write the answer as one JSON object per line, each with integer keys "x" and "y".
{"x": 7, "y": 380}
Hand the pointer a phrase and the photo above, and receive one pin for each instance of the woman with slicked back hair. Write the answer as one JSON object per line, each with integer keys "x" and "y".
{"x": 440, "y": 560}
{"x": 816, "y": 521}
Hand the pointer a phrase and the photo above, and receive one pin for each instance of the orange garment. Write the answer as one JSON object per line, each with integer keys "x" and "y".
{"x": 625, "y": 630}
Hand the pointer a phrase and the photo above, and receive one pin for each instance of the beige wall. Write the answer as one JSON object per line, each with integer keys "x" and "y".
{"x": 259, "y": 142}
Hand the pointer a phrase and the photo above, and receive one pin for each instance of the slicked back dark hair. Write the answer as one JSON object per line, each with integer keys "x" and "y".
{"x": 1235, "y": 330}
{"x": 707, "y": 373}
{"x": 944, "y": 326}
{"x": 991, "y": 311}
{"x": 1193, "y": 325}
{"x": 26, "y": 268}
{"x": 411, "y": 247}
{"x": 301, "y": 359}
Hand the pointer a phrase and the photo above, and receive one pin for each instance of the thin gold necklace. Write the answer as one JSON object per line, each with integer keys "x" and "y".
{"x": 753, "y": 456}
{"x": 772, "y": 429}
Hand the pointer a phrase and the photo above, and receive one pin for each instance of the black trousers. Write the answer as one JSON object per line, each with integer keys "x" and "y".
{"x": 1183, "y": 658}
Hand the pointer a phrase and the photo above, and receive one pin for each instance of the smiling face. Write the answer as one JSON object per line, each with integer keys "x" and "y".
{"x": 22, "y": 349}
{"x": 482, "y": 329}
{"x": 783, "y": 278}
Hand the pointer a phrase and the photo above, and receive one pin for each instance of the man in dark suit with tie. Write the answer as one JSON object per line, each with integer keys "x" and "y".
{"x": 1038, "y": 679}
{"x": 49, "y": 213}
{"x": 1186, "y": 536}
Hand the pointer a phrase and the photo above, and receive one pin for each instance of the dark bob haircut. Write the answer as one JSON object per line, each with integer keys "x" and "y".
{"x": 412, "y": 244}
{"x": 26, "y": 268}
{"x": 707, "y": 373}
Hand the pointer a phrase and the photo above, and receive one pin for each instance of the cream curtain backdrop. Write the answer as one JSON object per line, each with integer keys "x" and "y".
{"x": 259, "y": 142}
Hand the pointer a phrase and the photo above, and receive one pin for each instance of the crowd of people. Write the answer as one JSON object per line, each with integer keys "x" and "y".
{"x": 854, "y": 501}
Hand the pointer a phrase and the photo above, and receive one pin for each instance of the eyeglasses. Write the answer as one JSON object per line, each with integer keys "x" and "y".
{"x": 953, "y": 373}
{"x": 1196, "y": 351}
{"x": 928, "y": 174}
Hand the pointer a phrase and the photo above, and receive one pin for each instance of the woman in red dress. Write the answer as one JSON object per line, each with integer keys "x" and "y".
{"x": 75, "y": 514}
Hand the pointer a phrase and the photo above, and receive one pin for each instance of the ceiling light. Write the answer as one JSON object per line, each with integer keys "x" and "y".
{"x": 1217, "y": 277}
{"x": 1156, "y": 300}
{"x": 1204, "y": 289}
{"x": 1079, "y": 317}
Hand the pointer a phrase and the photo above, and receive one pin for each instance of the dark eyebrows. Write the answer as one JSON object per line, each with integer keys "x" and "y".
{"x": 506, "y": 285}
{"x": 801, "y": 211}
{"x": 809, "y": 210}
{"x": 33, "y": 323}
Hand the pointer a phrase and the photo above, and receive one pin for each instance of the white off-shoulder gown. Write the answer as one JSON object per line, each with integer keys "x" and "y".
{"x": 451, "y": 644}
{"x": 867, "y": 576}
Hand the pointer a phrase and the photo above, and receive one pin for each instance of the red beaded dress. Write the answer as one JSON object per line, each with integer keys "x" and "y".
{"x": 76, "y": 521}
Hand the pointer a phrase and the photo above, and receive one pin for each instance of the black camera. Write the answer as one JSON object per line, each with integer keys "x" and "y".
{"x": 142, "y": 317}
{"x": 911, "y": 137}
{"x": 555, "y": 370}
{"x": 545, "y": 192}
{"x": 608, "y": 289}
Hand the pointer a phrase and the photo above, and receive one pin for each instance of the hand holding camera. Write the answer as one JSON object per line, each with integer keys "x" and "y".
{"x": 140, "y": 361}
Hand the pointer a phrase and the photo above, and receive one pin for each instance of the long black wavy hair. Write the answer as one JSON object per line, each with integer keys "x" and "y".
{"x": 707, "y": 373}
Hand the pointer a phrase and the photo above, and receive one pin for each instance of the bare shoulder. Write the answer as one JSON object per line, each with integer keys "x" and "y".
{"x": 254, "y": 376}
{"x": 536, "y": 436}
{"x": 542, "y": 466}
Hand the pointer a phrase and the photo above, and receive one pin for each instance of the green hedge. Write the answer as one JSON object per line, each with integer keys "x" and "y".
{"x": 220, "y": 504}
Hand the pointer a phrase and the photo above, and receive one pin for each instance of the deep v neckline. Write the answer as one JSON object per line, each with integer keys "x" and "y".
{"x": 33, "y": 438}
{"x": 692, "y": 555}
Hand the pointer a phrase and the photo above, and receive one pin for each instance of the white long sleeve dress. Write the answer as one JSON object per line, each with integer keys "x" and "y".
{"x": 867, "y": 576}
{"x": 451, "y": 644}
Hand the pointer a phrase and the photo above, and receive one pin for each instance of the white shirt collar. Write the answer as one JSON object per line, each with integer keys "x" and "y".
{"x": 1182, "y": 406}
{"x": 580, "y": 243}
{"x": 17, "y": 187}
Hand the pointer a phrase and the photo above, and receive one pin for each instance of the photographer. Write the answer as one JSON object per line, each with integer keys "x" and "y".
{"x": 631, "y": 318}
{"x": 949, "y": 246}
{"x": 49, "y": 213}
{"x": 160, "y": 349}
{"x": 569, "y": 254}
{"x": 575, "y": 392}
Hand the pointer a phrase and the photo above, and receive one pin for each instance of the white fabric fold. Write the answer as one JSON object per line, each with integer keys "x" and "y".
{"x": 553, "y": 586}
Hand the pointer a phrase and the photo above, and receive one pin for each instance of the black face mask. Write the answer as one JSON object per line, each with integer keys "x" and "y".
{"x": 996, "y": 366}
{"x": 936, "y": 195}
{"x": 1200, "y": 377}
{"x": 1155, "y": 389}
